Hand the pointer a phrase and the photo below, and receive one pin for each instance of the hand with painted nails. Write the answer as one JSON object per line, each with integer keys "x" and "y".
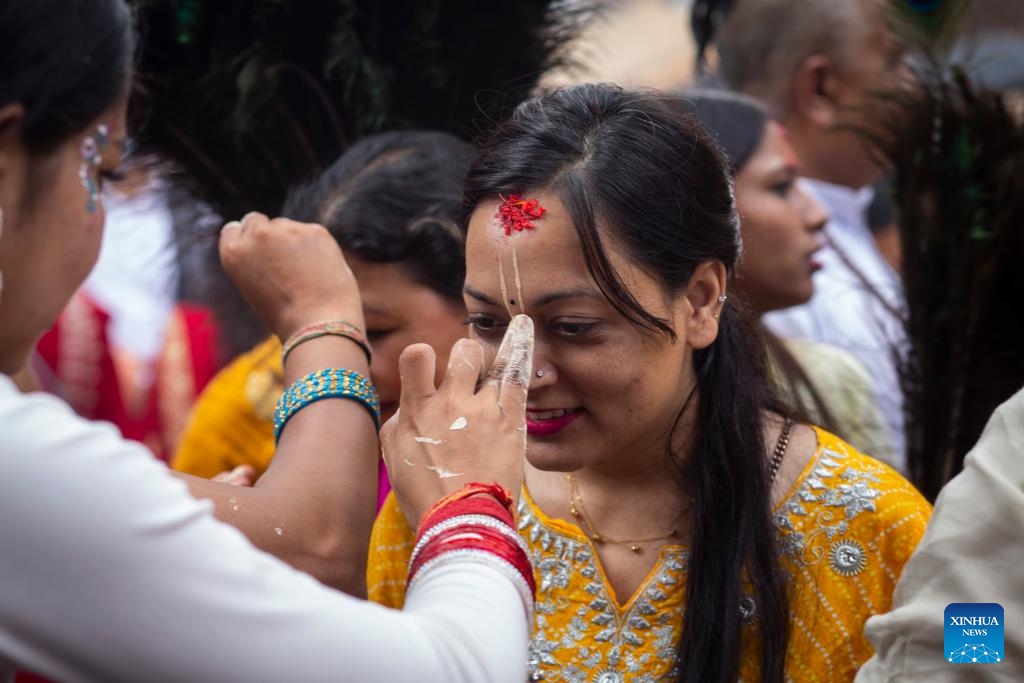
{"x": 470, "y": 429}
{"x": 292, "y": 274}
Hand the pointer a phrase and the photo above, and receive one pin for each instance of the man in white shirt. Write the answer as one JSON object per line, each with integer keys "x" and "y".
{"x": 816, "y": 64}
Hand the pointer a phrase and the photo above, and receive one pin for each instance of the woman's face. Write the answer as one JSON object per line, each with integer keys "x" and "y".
{"x": 780, "y": 225}
{"x": 53, "y": 224}
{"x": 609, "y": 394}
{"x": 400, "y": 311}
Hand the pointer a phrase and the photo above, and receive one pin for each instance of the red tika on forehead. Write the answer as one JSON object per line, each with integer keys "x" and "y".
{"x": 517, "y": 213}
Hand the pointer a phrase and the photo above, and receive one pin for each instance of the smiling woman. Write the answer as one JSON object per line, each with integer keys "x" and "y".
{"x": 664, "y": 477}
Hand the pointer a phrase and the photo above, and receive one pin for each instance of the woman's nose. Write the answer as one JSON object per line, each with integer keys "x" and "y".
{"x": 544, "y": 374}
{"x": 815, "y": 214}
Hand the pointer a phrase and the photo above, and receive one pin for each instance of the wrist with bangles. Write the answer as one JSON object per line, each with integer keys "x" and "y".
{"x": 328, "y": 382}
{"x": 476, "y": 522}
{"x": 324, "y": 328}
{"x": 322, "y": 384}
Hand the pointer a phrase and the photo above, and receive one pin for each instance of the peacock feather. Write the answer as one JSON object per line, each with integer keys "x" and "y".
{"x": 246, "y": 98}
{"x": 958, "y": 158}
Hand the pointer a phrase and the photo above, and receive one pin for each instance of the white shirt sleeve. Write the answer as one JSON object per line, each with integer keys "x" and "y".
{"x": 111, "y": 571}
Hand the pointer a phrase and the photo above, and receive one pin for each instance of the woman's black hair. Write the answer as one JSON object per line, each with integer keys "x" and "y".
{"x": 636, "y": 171}
{"x": 395, "y": 198}
{"x": 735, "y": 121}
{"x": 65, "y": 62}
{"x": 390, "y": 198}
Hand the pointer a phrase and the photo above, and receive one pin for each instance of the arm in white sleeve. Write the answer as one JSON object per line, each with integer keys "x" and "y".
{"x": 111, "y": 571}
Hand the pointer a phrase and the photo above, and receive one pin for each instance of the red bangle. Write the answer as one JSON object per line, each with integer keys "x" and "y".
{"x": 477, "y": 505}
{"x": 477, "y": 520}
{"x": 480, "y": 538}
{"x": 471, "y": 519}
{"x": 500, "y": 493}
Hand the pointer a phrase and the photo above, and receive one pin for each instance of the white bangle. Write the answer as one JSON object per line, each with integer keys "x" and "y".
{"x": 473, "y": 519}
{"x": 483, "y": 557}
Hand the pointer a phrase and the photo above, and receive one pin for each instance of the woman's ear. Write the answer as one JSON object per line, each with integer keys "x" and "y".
{"x": 704, "y": 299}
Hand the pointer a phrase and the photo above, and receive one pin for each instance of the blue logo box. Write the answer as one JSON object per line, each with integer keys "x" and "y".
{"x": 974, "y": 633}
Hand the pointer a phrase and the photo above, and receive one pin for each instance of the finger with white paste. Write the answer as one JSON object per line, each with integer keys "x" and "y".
{"x": 464, "y": 365}
{"x": 517, "y": 349}
{"x": 496, "y": 373}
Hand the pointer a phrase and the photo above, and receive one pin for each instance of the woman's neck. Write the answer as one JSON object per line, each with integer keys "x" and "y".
{"x": 638, "y": 503}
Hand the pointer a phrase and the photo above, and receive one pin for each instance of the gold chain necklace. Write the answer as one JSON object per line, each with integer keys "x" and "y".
{"x": 580, "y": 513}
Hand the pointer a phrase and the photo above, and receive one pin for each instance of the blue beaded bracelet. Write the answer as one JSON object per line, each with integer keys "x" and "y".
{"x": 329, "y": 383}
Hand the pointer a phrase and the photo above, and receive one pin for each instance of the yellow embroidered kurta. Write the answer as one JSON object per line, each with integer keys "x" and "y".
{"x": 846, "y": 528}
{"x": 232, "y": 423}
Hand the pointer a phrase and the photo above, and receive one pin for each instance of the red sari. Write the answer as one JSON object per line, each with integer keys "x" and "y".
{"x": 81, "y": 367}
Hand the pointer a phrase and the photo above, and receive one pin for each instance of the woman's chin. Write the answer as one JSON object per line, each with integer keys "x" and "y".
{"x": 549, "y": 457}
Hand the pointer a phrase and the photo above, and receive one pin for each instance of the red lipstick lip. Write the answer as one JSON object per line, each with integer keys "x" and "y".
{"x": 553, "y": 425}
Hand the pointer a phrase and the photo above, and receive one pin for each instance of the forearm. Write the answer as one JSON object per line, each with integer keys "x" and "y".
{"x": 180, "y": 597}
{"x": 314, "y": 507}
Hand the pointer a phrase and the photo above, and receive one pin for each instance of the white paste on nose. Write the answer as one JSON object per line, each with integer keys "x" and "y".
{"x": 460, "y": 423}
{"x": 427, "y": 439}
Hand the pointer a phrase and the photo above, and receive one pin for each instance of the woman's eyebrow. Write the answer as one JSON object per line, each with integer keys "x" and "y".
{"x": 550, "y": 297}
{"x": 468, "y": 290}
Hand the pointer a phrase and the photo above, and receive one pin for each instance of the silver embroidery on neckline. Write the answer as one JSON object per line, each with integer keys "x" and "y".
{"x": 556, "y": 558}
{"x": 842, "y": 494}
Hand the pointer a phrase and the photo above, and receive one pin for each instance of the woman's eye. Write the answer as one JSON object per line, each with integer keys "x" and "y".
{"x": 573, "y": 329}
{"x": 374, "y": 336}
{"x": 782, "y": 189}
{"x": 485, "y": 325}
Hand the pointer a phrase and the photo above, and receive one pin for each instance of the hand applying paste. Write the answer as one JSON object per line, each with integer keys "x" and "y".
{"x": 483, "y": 418}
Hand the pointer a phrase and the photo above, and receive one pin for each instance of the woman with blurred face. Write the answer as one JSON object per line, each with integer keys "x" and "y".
{"x": 392, "y": 202}
{"x": 780, "y": 225}
{"x": 683, "y": 525}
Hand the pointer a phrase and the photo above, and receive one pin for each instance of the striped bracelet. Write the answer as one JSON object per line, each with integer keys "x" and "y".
{"x": 328, "y": 383}
{"x": 335, "y": 328}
